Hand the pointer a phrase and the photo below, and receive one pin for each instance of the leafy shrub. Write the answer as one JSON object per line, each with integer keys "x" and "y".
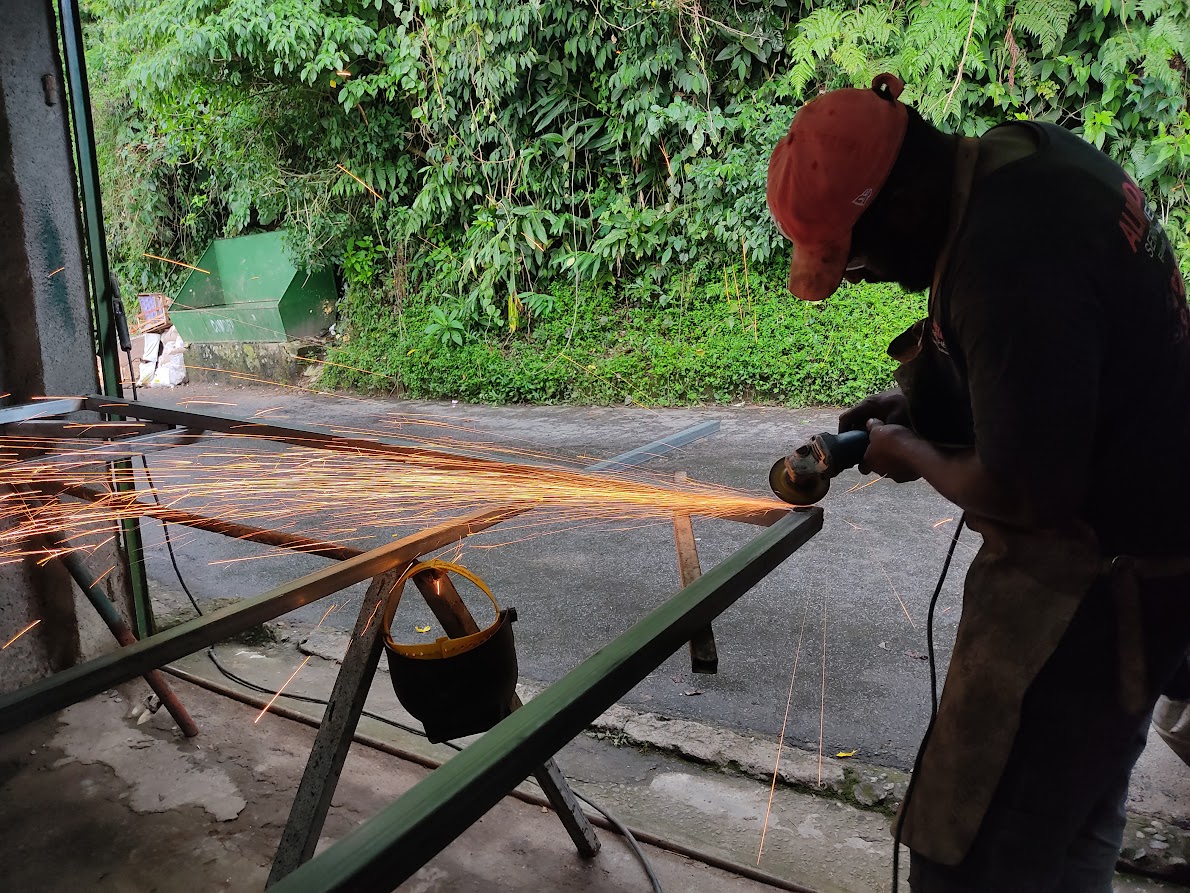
{"x": 497, "y": 162}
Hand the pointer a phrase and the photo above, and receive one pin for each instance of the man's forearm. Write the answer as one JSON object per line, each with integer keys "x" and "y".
{"x": 961, "y": 477}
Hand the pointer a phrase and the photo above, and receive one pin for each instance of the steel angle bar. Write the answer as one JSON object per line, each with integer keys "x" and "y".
{"x": 109, "y": 451}
{"x": 276, "y": 538}
{"x": 656, "y": 449}
{"x": 62, "y": 689}
{"x": 295, "y": 435}
{"x": 40, "y": 409}
{"x": 61, "y": 429}
{"x": 390, "y": 848}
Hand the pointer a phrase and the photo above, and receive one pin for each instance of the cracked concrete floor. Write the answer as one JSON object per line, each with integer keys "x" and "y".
{"x": 92, "y": 800}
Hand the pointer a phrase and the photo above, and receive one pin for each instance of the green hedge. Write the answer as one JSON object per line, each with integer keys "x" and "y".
{"x": 706, "y": 344}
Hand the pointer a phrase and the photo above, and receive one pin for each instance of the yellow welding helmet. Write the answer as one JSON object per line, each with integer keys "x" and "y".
{"x": 454, "y": 686}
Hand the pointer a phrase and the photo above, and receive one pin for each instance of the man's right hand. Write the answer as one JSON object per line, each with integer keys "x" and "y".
{"x": 888, "y": 406}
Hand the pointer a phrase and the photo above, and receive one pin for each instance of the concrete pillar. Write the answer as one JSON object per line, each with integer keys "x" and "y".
{"x": 46, "y": 343}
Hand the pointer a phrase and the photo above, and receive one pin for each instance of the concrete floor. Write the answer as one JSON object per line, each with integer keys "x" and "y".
{"x": 92, "y": 801}
{"x": 95, "y": 801}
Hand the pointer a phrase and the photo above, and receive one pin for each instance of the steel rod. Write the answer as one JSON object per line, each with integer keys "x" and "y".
{"x": 656, "y": 449}
{"x": 123, "y": 634}
{"x": 295, "y": 435}
{"x": 40, "y": 409}
{"x": 62, "y": 689}
{"x": 265, "y": 537}
{"x": 390, "y": 848}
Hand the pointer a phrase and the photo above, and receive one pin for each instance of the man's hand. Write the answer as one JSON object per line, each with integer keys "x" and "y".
{"x": 890, "y": 453}
{"x": 888, "y": 406}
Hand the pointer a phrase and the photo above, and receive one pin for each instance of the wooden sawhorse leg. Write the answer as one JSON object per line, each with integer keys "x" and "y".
{"x": 333, "y": 740}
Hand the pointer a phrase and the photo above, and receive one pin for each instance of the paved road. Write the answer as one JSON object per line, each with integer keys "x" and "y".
{"x": 870, "y": 572}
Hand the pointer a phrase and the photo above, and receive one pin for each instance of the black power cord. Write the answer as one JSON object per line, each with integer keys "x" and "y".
{"x": 921, "y": 749}
{"x": 632, "y": 842}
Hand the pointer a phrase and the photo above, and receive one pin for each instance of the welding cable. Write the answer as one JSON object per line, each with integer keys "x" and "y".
{"x": 620, "y": 827}
{"x": 131, "y": 374}
{"x": 921, "y": 748}
{"x": 623, "y": 831}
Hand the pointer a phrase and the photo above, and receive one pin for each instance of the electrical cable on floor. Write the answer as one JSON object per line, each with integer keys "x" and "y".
{"x": 620, "y": 827}
{"x": 921, "y": 749}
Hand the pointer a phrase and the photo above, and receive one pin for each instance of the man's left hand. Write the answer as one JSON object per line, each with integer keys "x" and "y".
{"x": 890, "y": 451}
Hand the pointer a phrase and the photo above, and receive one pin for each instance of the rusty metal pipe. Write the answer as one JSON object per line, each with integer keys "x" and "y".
{"x": 156, "y": 680}
{"x": 214, "y": 525}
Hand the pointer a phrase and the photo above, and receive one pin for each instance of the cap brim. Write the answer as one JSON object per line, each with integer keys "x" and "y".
{"x": 817, "y": 270}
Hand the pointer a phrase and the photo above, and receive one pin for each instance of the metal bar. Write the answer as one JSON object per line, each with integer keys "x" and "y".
{"x": 115, "y": 451}
{"x": 40, "y": 409}
{"x": 92, "y": 210}
{"x": 295, "y": 435}
{"x": 276, "y": 538}
{"x": 99, "y": 674}
{"x": 106, "y": 610}
{"x": 335, "y": 734}
{"x": 60, "y": 429}
{"x": 704, "y": 654}
{"x": 54, "y": 542}
{"x": 656, "y": 449}
{"x": 390, "y": 848}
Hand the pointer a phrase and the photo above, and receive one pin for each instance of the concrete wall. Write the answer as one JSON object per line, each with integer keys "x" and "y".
{"x": 45, "y": 324}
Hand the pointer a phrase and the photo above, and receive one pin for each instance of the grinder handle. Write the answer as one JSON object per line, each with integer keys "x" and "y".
{"x": 846, "y": 450}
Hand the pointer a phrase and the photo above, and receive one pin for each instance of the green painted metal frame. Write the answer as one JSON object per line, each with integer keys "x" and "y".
{"x": 99, "y": 274}
{"x": 84, "y": 680}
{"x": 390, "y": 848}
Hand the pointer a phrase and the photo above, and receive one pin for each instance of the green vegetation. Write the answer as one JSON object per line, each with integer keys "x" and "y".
{"x": 560, "y": 184}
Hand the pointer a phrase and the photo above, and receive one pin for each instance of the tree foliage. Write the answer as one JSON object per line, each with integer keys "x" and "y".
{"x": 480, "y": 152}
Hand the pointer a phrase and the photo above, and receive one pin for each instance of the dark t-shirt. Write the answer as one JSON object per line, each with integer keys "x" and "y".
{"x": 1064, "y": 308}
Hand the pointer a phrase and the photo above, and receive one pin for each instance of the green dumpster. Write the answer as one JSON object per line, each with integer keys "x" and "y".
{"x": 246, "y": 289}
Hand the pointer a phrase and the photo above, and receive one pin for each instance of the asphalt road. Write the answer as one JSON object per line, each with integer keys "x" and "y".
{"x": 862, "y": 586}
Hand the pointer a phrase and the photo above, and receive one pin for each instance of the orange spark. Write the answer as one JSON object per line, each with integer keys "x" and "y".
{"x": 822, "y": 708}
{"x": 21, "y": 633}
{"x": 273, "y": 699}
{"x": 372, "y": 616}
{"x": 898, "y": 595}
{"x": 339, "y": 365}
{"x": 177, "y": 263}
{"x": 358, "y": 180}
{"x": 55, "y": 273}
{"x": 862, "y": 486}
{"x": 104, "y": 574}
{"x": 784, "y": 723}
{"x": 938, "y": 524}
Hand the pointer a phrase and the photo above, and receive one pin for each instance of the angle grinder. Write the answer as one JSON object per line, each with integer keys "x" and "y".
{"x": 804, "y": 477}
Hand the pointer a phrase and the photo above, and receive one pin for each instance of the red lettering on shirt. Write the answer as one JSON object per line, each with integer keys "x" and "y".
{"x": 1133, "y": 223}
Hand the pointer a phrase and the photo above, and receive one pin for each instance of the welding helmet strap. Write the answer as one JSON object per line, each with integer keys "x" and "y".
{"x": 444, "y": 646}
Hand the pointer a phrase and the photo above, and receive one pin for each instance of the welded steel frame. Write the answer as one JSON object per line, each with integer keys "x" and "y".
{"x": 84, "y": 680}
{"x": 391, "y": 847}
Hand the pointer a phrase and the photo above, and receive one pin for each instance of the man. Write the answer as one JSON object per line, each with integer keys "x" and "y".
{"x": 1047, "y": 395}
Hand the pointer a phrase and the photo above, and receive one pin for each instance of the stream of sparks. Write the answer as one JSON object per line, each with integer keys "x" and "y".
{"x": 338, "y": 497}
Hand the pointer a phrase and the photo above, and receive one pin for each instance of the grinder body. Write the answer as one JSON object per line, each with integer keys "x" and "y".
{"x": 804, "y": 477}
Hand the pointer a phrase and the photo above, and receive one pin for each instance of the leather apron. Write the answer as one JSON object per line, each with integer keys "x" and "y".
{"x": 1021, "y": 592}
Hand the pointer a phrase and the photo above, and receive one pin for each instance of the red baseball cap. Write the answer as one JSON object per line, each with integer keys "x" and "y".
{"x": 825, "y": 172}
